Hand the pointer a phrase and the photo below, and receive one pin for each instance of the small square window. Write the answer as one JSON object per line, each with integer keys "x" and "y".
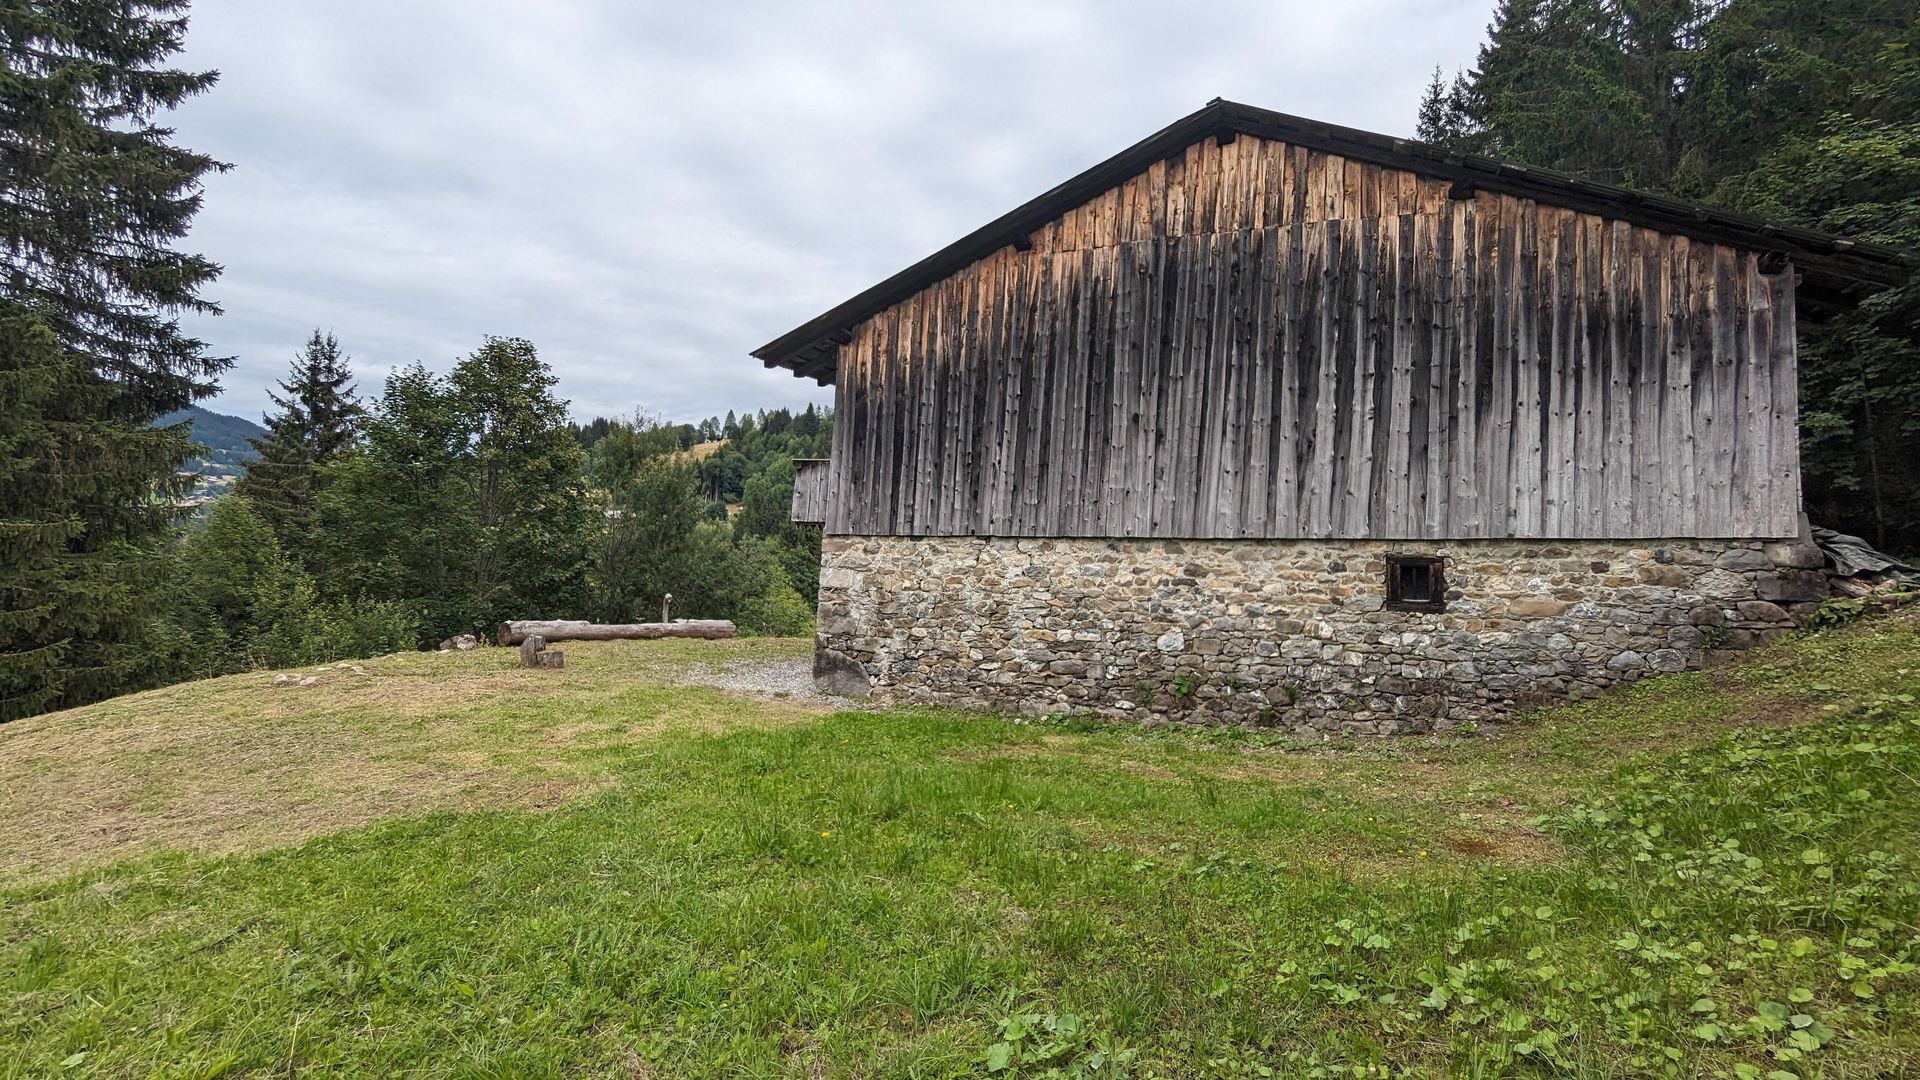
{"x": 1416, "y": 583}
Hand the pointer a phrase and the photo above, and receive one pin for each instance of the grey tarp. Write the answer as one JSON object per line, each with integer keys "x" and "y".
{"x": 1854, "y": 557}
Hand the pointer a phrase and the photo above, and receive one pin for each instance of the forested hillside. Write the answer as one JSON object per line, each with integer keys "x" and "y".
{"x": 1803, "y": 113}
{"x": 228, "y": 439}
{"x": 450, "y": 503}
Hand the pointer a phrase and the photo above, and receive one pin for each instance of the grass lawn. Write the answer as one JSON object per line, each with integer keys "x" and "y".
{"x": 450, "y": 867}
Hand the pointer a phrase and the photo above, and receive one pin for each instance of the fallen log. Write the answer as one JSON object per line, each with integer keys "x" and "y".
{"x": 513, "y": 633}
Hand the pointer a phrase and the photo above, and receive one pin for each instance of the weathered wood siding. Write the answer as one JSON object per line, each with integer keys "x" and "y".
{"x": 1256, "y": 340}
{"x": 809, "y": 491}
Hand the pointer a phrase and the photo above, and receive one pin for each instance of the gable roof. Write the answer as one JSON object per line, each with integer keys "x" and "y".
{"x": 1835, "y": 271}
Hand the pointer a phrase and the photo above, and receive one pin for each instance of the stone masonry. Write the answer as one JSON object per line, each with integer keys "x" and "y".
{"x": 1289, "y": 634}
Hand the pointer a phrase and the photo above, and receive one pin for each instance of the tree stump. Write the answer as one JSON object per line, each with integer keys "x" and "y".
{"x": 534, "y": 653}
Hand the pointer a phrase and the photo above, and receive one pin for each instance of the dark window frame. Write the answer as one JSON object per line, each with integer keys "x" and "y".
{"x": 1436, "y": 567}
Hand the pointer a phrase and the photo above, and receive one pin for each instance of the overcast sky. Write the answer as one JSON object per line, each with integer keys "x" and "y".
{"x": 648, "y": 191}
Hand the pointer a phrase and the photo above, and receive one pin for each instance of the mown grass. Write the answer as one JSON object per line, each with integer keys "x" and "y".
{"x": 238, "y": 764}
{"x": 1708, "y": 875}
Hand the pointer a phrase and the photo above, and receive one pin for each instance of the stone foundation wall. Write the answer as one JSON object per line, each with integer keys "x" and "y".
{"x": 1291, "y": 634}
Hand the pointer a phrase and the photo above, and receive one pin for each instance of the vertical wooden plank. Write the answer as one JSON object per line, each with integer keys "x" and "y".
{"x": 1325, "y": 480}
{"x": 1467, "y": 512}
{"x": 1362, "y": 409}
{"x": 1401, "y": 500}
{"x": 1494, "y": 399}
{"x": 1442, "y": 375}
{"x": 1726, "y": 314}
{"x": 1757, "y": 416}
{"x": 1255, "y": 499}
{"x": 1367, "y": 191}
{"x": 1524, "y": 516}
{"x": 1285, "y": 515}
{"x": 1677, "y": 410}
{"x": 1177, "y": 214}
{"x": 1333, "y": 187}
{"x": 1784, "y": 437}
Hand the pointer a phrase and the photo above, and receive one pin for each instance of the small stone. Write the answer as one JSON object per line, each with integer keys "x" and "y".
{"x": 1172, "y": 641}
{"x": 1627, "y": 661}
{"x": 283, "y": 679}
{"x": 310, "y": 680}
{"x": 1663, "y": 555}
{"x": 1068, "y": 667}
{"x": 1537, "y": 607}
{"x": 1667, "y": 660}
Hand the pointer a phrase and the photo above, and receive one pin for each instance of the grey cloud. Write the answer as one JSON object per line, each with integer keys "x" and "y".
{"x": 648, "y": 191}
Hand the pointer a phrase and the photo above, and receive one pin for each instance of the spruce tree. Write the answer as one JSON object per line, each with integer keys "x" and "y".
{"x": 319, "y": 418}
{"x": 91, "y": 352}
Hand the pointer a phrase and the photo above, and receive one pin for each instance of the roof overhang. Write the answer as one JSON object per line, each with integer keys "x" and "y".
{"x": 1835, "y": 272}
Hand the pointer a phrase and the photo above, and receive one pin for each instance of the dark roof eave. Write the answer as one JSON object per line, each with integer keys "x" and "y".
{"x": 1831, "y": 264}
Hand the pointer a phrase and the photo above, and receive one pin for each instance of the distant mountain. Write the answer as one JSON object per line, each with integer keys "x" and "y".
{"x": 225, "y": 438}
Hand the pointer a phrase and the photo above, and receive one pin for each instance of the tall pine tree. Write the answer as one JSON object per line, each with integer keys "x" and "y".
{"x": 94, "y": 195}
{"x": 319, "y": 419}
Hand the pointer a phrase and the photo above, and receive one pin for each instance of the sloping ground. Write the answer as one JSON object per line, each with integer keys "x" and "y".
{"x": 1708, "y": 875}
{"x": 236, "y": 763}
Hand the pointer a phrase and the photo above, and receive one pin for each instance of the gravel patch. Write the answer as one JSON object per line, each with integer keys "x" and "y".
{"x": 789, "y": 678}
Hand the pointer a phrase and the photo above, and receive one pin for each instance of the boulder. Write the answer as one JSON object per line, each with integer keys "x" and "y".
{"x": 459, "y": 643}
{"x": 836, "y": 673}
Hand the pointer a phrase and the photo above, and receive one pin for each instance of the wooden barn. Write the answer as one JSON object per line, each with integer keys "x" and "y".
{"x": 1270, "y": 420}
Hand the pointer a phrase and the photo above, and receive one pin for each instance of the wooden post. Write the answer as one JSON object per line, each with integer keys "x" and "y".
{"x": 534, "y": 653}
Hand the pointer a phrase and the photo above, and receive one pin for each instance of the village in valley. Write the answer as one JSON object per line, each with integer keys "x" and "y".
{"x": 1420, "y": 585}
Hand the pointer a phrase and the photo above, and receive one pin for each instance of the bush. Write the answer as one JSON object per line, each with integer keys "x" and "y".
{"x": 778, "y": 612}
{"x": 239, "y": 603}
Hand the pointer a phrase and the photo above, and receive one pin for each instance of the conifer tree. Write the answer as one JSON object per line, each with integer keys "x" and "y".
{"x": 319, "y": 418}
{"x": 93, "y": 194}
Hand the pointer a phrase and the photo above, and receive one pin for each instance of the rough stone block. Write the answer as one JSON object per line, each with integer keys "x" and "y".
{"x": 1791, "y": 585}
{"x": 1672, "y": 577}
{"x": 1537, "y": 607}
{"x": 1760, "y": 611}
{"x": 836, "y": 673}
{"x": 1667, "y": 660}
{"x": 1743, "y": 559}
{"x": 1795, "y": 555}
